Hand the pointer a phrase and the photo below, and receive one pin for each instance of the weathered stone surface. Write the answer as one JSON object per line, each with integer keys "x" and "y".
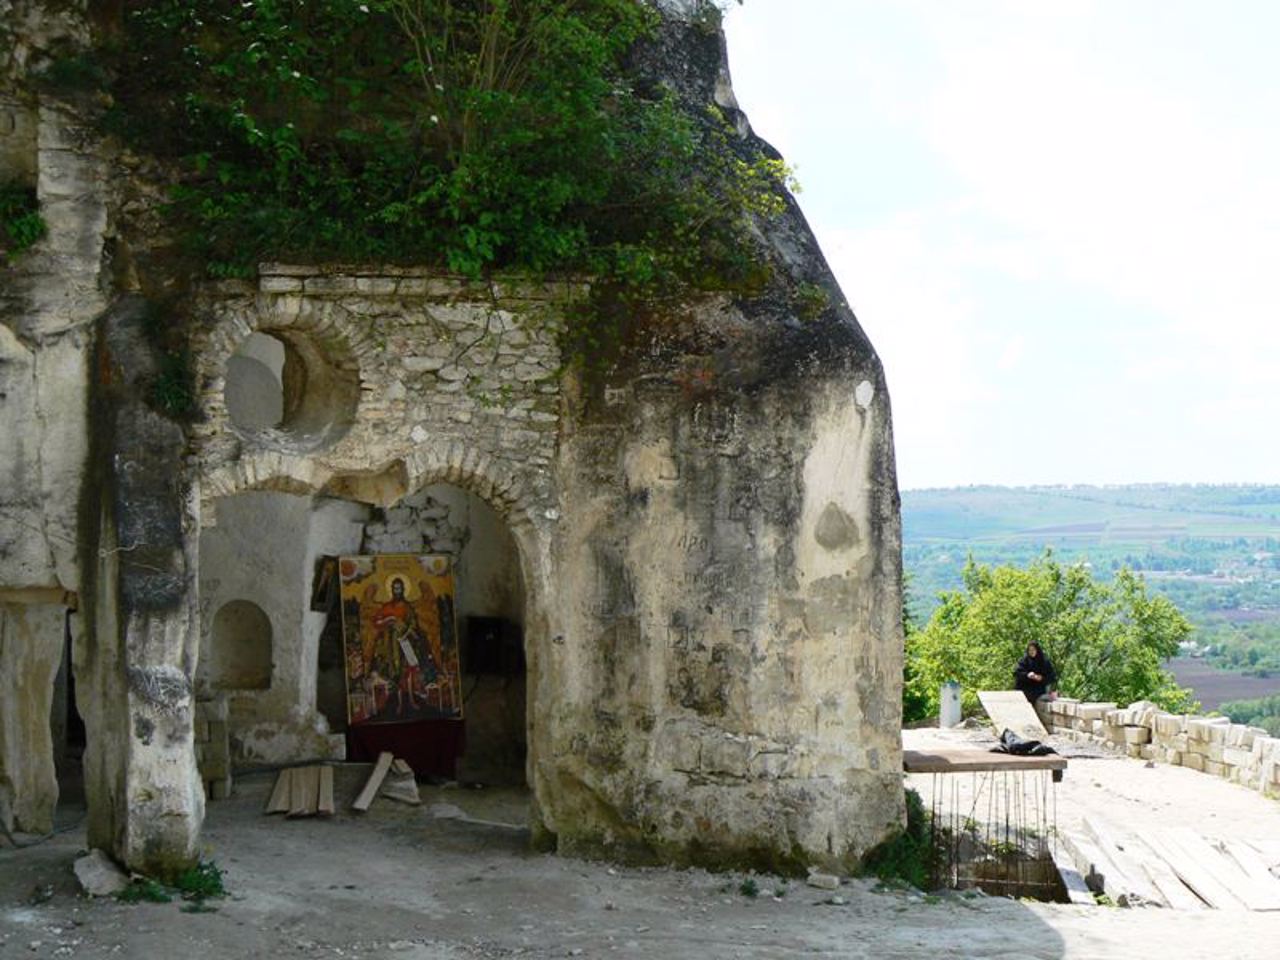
{"x": 706, "y": 534}
{"x": 30, "y": 651}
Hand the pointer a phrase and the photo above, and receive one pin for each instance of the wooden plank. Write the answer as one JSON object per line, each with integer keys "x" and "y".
{"x": 1011, "y": 710}
{"x": 1176, "y": 893}
{"x": 1224, "y": 869}
{"x": 957, "y": 760}
{"x": 324, "y": 802}
{"x": 1193, "y": 873}
{"x": 1141, "y": 890}
{"x": 304, "y": 792}
{"x": 297, "y": 792}
{"x": 279, "y": 801}
{"x": 1098, "y": 870}
{"x": 374, "y": 782}
{"x": 1264, "y": 883}
{"x": 401, "y": 767}
{"x": 1077, "y": 890}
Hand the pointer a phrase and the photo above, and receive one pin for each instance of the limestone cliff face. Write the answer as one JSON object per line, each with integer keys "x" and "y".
{"x": 707, "y": 534}
{"x": 735, "y": 569}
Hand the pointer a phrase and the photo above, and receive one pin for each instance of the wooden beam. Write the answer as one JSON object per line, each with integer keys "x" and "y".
{"x": 279, "y": 801}
{"x": 960, "y": 760}
{"x": 374, "y": 782}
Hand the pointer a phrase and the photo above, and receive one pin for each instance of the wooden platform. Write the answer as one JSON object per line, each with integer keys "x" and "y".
{"x": 960, "y": 760}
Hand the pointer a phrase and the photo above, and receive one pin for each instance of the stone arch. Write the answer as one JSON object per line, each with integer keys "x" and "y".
{"x": 513, "y": 496}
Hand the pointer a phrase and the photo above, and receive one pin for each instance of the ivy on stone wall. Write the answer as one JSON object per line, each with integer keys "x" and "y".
{"x": 20, "y": 222}
{"x": 470, "y": 134}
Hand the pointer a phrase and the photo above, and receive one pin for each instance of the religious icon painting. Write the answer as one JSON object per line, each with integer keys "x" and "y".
{"x": 399, "y": 638}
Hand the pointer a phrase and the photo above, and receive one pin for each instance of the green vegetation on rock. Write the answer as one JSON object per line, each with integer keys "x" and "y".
{"x": 20, "y": 222}
{"x": 468, "y": 135}
{"x": 1108, "y": 641}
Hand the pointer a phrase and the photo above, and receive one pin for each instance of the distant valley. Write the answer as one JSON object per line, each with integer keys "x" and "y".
{"x": 1214, "y": 550}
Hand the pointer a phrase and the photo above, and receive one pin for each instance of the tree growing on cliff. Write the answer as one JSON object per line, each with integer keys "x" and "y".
{"x": 469, "y": 134}
{"x": 1107, "y": 640}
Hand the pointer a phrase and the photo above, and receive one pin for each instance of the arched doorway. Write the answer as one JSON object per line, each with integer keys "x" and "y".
{"x": 487, "y": 745}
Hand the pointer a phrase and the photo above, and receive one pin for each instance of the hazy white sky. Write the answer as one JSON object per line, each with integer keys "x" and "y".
{"x": 1058, "y": 221}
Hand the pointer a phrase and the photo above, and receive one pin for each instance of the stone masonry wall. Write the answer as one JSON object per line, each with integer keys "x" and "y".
{"x": 437, "y": 359}
{"x": 1213, "y": 745}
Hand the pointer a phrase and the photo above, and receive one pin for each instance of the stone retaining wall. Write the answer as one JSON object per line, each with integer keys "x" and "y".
{"x": 1213, "y": 745}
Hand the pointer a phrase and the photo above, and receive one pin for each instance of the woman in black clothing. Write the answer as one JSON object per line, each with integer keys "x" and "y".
{"x": 1034, "y": 673}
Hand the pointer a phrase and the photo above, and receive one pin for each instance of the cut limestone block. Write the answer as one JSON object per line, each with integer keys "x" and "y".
{"x": 1093, "y": 711}
{"x": 1137, "y": 735}
{"x": 1237, "y": 756}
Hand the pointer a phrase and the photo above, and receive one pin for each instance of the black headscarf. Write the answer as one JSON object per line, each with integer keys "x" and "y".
{"x": 1034, "y": 663}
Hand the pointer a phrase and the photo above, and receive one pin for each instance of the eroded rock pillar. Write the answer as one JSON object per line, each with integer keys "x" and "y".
{"x": 138, "y": 523}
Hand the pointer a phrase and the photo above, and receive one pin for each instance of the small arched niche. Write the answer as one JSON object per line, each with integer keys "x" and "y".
{"x": 283, "y": 390}
{"x": 240, "y": 652}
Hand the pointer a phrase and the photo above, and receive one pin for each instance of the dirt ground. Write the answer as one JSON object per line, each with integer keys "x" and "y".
{"x": 437, "y": 882}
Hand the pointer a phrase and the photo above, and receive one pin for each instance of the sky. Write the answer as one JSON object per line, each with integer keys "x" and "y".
{"x": 1057, "y": 220}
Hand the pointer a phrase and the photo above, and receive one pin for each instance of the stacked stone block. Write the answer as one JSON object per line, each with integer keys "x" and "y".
{"x": 1212, "y": 745}
{"x": 213, "y": 747}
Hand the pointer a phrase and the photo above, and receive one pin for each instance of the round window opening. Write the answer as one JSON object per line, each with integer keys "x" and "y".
{"x": 283, "y": 390}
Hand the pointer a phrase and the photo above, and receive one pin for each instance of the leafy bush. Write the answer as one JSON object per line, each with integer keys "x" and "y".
{"x": 1260, "y": 712}
{"x": 201, "y": 882}
{"x": 909, "y": 856}
{"x": 470, "y": 135}
{"x": 1107, "y": 641}
{"x": 20, "y": 222}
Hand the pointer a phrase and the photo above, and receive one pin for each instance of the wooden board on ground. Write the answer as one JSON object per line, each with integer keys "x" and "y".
{"x": 401, "y": 767}
{"x": 1142, "y": 890}
{"x": 1193, "y": 873}
{"x": 1225, "y": 870}
{"x": 1077, "y": 890}
{"x": 279, "y": 801}
{"x": 375, "y": 781}
{"x": 324, "y": 803}
{"x": 1011, "y": 710}
{"x": 1098, "y": 870}
{"x": 304, "y": 792}
{"x": 1176, "y": 893}
{"x": 961, "y": 760}
{"x": 1255, "y": 868}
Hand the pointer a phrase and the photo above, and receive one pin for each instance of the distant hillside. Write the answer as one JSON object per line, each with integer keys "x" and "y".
{"x": 1079, "y": 514}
